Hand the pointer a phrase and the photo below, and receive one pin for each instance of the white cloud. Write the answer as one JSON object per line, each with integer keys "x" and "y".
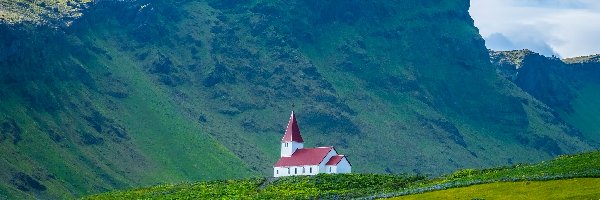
{"x": 498, "y": 41}
{"x": 561, "y": 4}
{"x": 564, "y": 27}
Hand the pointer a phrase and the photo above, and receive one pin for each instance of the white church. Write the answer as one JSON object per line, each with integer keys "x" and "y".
{"x": 297, "y": 160}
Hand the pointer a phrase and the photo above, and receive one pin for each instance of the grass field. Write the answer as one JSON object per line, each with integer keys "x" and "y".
{"x": 579, "y": 188}
{"x": 569, "y": 176}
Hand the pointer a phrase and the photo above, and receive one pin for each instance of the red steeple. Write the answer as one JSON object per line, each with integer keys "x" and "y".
{"x": 292, "y": 132}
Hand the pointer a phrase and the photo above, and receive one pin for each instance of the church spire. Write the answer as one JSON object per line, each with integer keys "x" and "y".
{"x": 292, "y": 132}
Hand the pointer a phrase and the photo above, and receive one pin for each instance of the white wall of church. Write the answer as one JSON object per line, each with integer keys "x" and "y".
{"x": 295, "y": 170}
{"x": 344, "y": 166}
{"x": 330, "y": 169}
{"x": 322, "y": 164}
{"x": 288, "y": 148}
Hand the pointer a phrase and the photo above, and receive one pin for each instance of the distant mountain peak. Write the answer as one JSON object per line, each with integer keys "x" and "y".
{"x": 583, "y": 59}
{"x": 513, "y": 57}
{"x": 58, "y": 13}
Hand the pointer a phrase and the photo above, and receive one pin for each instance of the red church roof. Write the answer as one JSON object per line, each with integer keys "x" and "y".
{"x": 335, "y": 160}
{"x": 310, "y": 156}
{"x": 292, "y": 132}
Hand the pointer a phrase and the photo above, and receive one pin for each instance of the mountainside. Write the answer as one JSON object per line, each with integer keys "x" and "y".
{"x": 143, "y": 92}
{"x": 570, "y": 86}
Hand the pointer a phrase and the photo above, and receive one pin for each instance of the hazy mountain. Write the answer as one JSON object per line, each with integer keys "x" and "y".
{"x": 126, "y": 93}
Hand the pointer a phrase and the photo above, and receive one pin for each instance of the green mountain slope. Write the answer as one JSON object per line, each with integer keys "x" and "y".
{"x": 144, "y": 92}
{"x": 569, "y": 86}
{"x": 585, "y": 106}
{"x": 75, "y": 121}
{"x": 327, "y": 186}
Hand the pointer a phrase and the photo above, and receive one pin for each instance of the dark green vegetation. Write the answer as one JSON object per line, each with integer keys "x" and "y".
{"x": 152, "y": 91}
{"x": 320, "y": 186}
{"x": 571, "y": 87}
{"x": 367, "y": 185}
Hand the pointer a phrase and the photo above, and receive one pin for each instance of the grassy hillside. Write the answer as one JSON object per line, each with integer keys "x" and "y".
{"x": 585, "y": 104}
{"x": 146, "y": 92}
{"x": 320, "y": 186}
{"x": 531, "y": 179}
{"x": 75, "y": 121}
{"x": 585, "y": 109}
{"x": 580, "y": 188}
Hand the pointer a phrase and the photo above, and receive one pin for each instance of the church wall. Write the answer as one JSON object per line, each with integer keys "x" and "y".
{"x": 344, "y": 166}
{"x": 288, "y": 148}
{"x": 330, "y": 169}
{"x": 295, "y": 170}
{"x": 322, "y": 164}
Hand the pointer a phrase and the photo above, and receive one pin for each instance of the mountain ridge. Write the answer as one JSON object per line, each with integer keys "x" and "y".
{"x": 567, "y": 86}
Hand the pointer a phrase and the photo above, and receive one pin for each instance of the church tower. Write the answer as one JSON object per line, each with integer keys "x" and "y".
{"x": 292, "y": 140}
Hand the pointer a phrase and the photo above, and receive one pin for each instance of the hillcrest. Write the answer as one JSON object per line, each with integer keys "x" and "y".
{"x": 297, "y": 160}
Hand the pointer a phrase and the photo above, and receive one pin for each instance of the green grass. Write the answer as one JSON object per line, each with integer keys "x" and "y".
{"x": 302, "y": 187}
{"x": 581, "y": 165}
{"x": 564, "y": 168}
{"x": 156, "y": 127}
{"x": 60, "y": 159}
{"x": 585, "y": 165}
{"x": 578, "y": 188}
{"x": 234, "y": 189}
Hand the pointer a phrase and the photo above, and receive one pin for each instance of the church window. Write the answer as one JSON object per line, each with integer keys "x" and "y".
{"x": 329, "y": 169}
{"x": 303, "y": 170}
{"x": 295, "y": 170}
{"x": 310, "y": 169}
{"x": 277, "y": 171}
{"x": 288, "y": 170}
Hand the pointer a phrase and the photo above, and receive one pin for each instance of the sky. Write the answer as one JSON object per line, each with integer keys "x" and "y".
{"x": 564, "y": 28}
